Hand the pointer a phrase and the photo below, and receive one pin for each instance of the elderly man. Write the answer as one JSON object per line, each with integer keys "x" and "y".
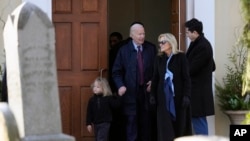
{"x": 132, "y": 73}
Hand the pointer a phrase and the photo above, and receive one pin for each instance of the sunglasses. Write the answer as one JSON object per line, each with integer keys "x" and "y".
{"x": 162, "y": 42}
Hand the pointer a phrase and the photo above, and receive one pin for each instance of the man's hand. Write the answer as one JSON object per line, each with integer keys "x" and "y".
{"x": 122, "y": 90}
{"x": 89, "y": 128}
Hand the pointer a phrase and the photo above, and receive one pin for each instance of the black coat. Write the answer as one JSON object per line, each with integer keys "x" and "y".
{"x": 125, "y": 72}
{"x": 201, "y": 67}
{"x": 100, "y": 109}
{"x": 112, "y": 55}
{"x": 166, "y": 128}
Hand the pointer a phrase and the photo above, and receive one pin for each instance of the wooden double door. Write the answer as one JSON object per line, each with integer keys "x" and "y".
{"x": 82, "y": 55}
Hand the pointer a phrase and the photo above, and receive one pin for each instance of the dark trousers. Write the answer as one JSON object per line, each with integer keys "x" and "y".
{"x": 131, "y": 127}
{"x": 139, "y": 127}
{"x": 117, "y": 129}
{"x": 102, "y": 131}
{"x": 143, "y": 116}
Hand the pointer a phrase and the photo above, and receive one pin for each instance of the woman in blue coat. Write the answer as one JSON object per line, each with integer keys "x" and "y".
{"x": 171, "y": 86}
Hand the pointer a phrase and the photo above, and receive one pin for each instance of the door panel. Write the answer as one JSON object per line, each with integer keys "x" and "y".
{"x": 81, "y": 52}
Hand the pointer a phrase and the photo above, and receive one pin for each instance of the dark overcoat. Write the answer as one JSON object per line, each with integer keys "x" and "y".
{"x": 167, "y": 129}
{"x": 201, "y": 67}
{"x": 124, "y": 72}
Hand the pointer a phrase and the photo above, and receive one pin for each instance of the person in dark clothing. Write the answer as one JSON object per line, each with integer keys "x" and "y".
{"x": 115, "y": 39}
{"x": 115, "y": 42}
{"x": 99, "y": 110}
{"x": 132, "y": 73}
{"x": 201, "y": 67}
{"x": 4, "y": 94}
{"x": 171, "y": 86}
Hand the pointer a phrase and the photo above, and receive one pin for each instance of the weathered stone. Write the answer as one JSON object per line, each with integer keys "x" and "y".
{"x": 31, "y": 74}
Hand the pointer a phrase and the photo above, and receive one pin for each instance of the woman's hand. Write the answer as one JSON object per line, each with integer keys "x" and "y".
{"x": 149, "y": 86}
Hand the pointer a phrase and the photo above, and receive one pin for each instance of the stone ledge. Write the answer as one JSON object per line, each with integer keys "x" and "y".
{"x": 56, "y": 137}
{"x": 202, "y": 138}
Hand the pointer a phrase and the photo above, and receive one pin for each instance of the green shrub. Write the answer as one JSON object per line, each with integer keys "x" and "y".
{"x": 229, "y": 93}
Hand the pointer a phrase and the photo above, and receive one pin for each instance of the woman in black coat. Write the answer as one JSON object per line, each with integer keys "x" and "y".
{"x": 171, "y": 86}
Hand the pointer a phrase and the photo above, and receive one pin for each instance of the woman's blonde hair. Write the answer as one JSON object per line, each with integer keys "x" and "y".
{"x": 170, "y": 38}
{"x": 104, "y": 85}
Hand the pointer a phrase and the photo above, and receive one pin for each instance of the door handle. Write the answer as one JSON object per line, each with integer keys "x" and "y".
{"x": 101, "y": 71}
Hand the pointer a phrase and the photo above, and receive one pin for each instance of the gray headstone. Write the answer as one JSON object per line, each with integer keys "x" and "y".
{"x": 31, "y": 74}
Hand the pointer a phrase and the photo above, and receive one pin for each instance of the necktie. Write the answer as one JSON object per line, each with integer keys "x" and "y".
{"x": 140, "y": 65}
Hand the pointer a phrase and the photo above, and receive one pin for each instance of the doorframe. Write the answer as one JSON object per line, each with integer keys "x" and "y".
{"x": 194, "y": 8}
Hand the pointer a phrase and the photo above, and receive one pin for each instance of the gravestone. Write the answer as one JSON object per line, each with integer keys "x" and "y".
{"x": 29, "y": 41}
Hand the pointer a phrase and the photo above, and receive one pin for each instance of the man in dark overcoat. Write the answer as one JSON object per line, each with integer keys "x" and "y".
{"x": 135, "y": 83}
{"x": 201, "y": 67}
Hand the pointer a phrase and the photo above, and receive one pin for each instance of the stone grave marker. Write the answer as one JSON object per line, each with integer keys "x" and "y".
{"x": 29, "y": 41}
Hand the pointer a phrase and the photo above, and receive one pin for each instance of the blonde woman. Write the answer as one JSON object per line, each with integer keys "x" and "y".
{"x": 99, "y": 110}
{"x": 171, "y": 86}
